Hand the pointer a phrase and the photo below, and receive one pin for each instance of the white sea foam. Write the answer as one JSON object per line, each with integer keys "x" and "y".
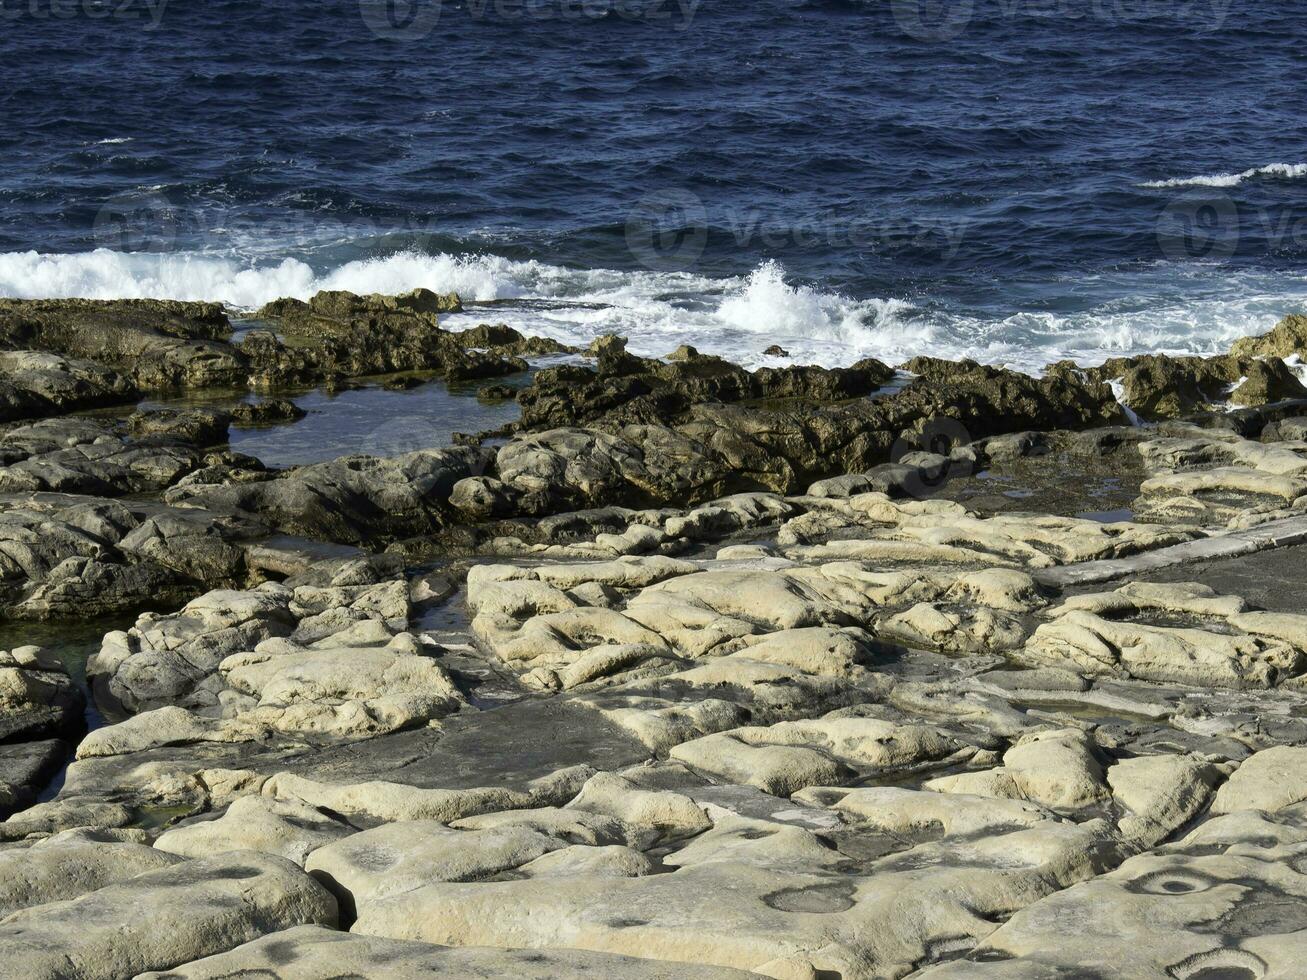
{"x": 1289, "y": 171}
{"x": 737, "y": 317}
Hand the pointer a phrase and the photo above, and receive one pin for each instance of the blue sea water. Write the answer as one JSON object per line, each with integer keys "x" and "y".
{"x": 1014, "y": 180}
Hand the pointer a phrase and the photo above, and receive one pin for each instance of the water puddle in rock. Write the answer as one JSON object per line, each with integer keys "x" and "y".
{"x": 484, "y": 681}
{"x": 371, "y": 419}
{"x": 73, "y": 643}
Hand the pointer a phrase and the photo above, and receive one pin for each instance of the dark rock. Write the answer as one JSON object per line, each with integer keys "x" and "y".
{"x": 504, "y": 340}
{"x": 496, "y": 393}
{"x": 776, "y": 350}
{"x": 65, "y": 556}
{"x": 713, "y": 449}
{"x": 158, "y": 344}
{"x": 1290, "y": 429}
{"x": 625, "y": 389}
{"x": 473, "y": 365}
{"x": 404, "y": 382}
{"x": 25, "y": 767}
{"x": 1288, "y": 337}
{"x": 351, "y": 500}
{"x": 1157, "y": 386}
{"x": 35, "y": 384}
{"x": 1266, "y": 382}
{"x": 338, "y": 334}
{"x": 197, "y": 426}
{"x": 273, "y": 411}
{"x": 69, "y": 455}
{"x": 38, "y": 696}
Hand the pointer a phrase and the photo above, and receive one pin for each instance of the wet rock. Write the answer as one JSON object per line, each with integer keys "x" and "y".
{"x": 37, "y": 697}
{"x": 338, "y": 334}
{"x": 36, "y": 383}
{"x": 198, "y": 426}
{"x": 25, "y": 767}
{"x": 1288, "y": 337}
{"x": 270, "y": 411}
{"x": 159, "y": 344}
{"x": 1162, "y": 386}
{"x": 645, "y": 390}
{"x": 354, "y": 499}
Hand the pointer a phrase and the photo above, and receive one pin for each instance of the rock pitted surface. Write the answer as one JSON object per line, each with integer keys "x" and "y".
{"x": 702, "y": 672}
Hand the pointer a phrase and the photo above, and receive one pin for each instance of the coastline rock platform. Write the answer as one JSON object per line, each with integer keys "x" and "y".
{"x": 935, "y": 671}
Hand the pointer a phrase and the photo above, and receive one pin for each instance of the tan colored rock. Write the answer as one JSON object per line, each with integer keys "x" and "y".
{"x": 398, "y": 857}
{"x": 1268, "y": 780}
{"x": 907, "y": 811}
{"x": 325, "y": 954}
{"x": 1092, "y": 645}
{"x": 1161, "y": 793}
{"x": 397, "y": 801}
{"x": 784, "y": 758}
{"x": 163, "y": 918}
{"x": 1056, "y": 768}
{"x": 71, "y": 864}
{"x": 257, "y": 823}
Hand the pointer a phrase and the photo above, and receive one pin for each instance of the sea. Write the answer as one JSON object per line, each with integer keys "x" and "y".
{"x": 1015, "y": 181}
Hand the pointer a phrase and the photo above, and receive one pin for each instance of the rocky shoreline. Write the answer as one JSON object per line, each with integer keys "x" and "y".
{"x": 936, "y": 670}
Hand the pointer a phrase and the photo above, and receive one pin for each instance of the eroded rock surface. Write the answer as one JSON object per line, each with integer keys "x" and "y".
{"x": 719, "y": 683}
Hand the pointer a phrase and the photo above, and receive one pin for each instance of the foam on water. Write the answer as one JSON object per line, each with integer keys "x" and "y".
{"x": 737, "y": 317}
{"x": 1288, "y": 171}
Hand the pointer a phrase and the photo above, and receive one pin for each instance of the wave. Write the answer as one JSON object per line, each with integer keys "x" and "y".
{"x": 735, "y": 316}
{"x": 1290, "y": 171}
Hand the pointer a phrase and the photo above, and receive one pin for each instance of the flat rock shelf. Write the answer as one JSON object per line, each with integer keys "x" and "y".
{"x": 662, "y": 668}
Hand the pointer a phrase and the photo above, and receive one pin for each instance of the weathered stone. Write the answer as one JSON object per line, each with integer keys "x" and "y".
{"x": 163, "y": 918}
